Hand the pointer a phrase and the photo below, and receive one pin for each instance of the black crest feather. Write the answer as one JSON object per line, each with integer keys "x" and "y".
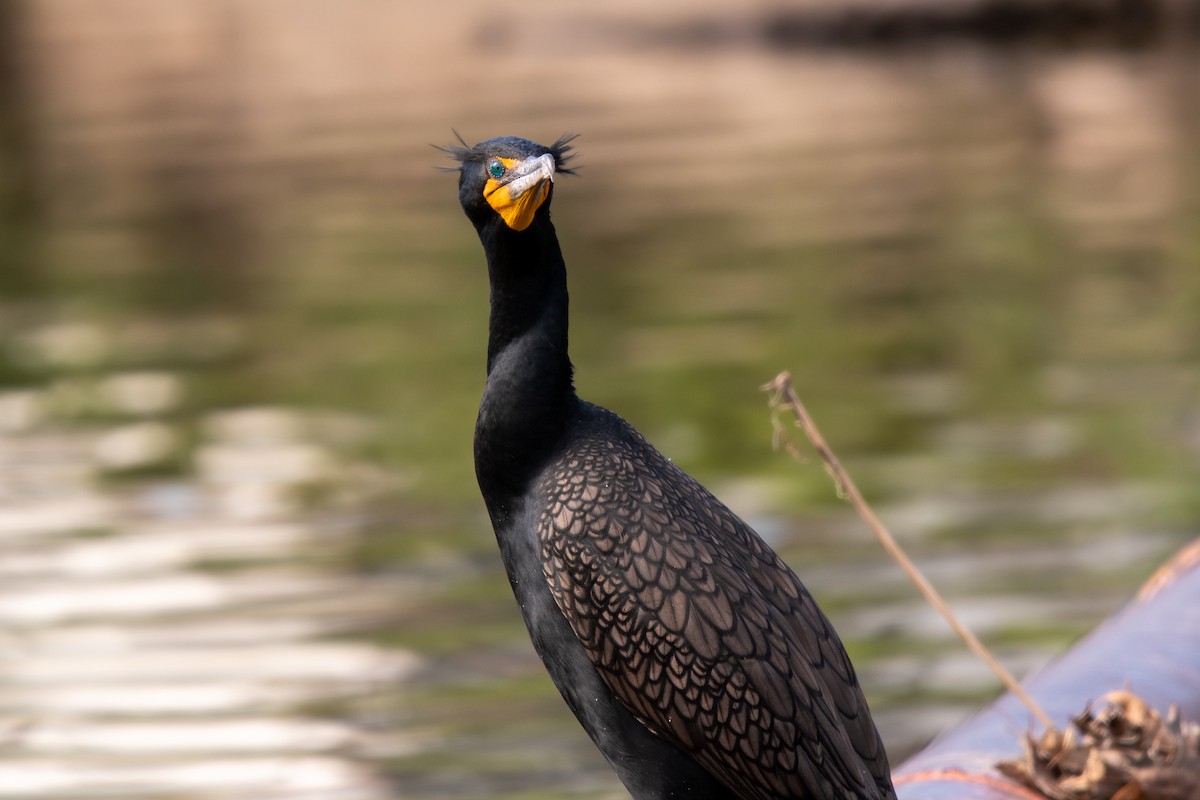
{"x": 467, "y": 154}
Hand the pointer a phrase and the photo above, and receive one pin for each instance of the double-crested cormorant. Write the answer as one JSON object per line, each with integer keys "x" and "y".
{"x": 692, "y": 655}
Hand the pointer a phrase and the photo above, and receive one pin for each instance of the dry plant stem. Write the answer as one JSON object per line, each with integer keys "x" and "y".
{"x": 782, "y": 394}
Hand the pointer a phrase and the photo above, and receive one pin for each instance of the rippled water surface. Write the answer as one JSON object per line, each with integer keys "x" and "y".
{"x": 238, "y": 399}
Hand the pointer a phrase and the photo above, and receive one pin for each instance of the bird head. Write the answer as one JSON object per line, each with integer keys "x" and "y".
{"x": 508, "y": 177}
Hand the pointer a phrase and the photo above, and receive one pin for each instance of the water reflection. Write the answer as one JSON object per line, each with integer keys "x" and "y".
{"x": 976, "y": 258}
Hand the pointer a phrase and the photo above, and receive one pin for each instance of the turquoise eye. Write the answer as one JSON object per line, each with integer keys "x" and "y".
{"x": 495, "y": 168}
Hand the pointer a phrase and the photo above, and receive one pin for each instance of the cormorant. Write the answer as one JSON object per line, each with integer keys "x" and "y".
{"x": 691, "y": 654}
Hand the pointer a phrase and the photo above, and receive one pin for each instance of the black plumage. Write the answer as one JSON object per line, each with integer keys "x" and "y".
{"x": 692, "y": 655}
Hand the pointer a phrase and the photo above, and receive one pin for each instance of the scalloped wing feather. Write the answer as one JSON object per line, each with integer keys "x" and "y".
{"x": 700, "y": 630}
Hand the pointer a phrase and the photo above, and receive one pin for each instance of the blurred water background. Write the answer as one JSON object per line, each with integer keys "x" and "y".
{"x": 244, "y": 322}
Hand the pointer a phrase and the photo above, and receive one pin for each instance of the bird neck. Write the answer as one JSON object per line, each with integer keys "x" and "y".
{"x": 528, "y": 293}
{"x": 529, "y": 396}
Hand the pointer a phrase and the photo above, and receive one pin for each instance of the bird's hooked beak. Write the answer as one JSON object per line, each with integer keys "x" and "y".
{"x": 520, "y": 191}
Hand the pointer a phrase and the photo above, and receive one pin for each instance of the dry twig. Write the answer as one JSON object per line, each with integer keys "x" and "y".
{"x": 784, "y": 396}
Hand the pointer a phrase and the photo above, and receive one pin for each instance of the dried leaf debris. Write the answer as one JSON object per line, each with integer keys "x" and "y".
{"x": 1118, "y": 749}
